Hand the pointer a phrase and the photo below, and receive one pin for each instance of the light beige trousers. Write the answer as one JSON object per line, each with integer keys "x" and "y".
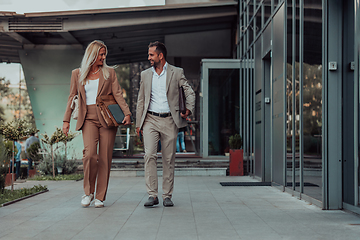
{"x": 163, "y": 129}
{"x": 97, "y": 164}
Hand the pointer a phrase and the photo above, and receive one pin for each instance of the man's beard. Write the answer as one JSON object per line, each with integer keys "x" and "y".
{"x": 155, "y": 64}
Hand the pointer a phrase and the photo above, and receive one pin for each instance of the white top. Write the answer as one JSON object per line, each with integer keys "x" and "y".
{"x": 158, "y": 99}
{"x": 91, "y": 89}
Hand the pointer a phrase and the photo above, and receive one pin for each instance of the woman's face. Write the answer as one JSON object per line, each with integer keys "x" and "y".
{"x": 101, "y": 57}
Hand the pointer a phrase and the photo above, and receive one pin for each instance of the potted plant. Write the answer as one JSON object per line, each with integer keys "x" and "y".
{"x": 236, "y": 156}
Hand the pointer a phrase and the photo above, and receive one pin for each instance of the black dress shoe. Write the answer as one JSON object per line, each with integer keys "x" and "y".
{"x": 168, "y": 203}
{"x": 151, "y": 202}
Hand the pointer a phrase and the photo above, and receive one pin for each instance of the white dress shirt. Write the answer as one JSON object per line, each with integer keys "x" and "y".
{"x": 158, "y": 99}
{"x": 91, "y": 89}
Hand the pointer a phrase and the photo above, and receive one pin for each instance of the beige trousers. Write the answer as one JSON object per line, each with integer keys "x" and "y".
{"x": 163, "y": 129}
{"x": 97, "y": 164}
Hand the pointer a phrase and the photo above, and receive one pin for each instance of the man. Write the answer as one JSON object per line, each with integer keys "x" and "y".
{"x": 158, "y": 118}
{"x": 28, "y": 143}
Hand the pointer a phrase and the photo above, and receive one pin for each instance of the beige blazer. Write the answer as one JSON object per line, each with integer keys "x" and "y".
{"x": 174, "y": 79}
{"x": 106, "y": 87}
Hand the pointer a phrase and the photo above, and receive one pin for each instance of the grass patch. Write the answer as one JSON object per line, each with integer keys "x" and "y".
{"x": 75, "y": 177}
{"x": 9, "y": 195}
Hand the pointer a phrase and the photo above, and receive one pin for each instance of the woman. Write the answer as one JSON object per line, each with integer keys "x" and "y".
{"x": 95, "y": 78}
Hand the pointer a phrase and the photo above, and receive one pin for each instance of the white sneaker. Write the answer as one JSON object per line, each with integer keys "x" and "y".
{"x": 98, "y": 203}
{"x": 86, "y": 200}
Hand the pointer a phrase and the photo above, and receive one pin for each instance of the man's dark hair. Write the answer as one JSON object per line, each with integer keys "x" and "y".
{"x": 160, "y": 48}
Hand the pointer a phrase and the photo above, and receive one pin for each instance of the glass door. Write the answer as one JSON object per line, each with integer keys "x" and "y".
{"x": 219, "y": 105}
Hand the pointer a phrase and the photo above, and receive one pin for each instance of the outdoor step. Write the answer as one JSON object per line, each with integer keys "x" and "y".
{"x": 127, "y": 172}
{"x": 183, "y": 167}
{"x": 179, "y": 163}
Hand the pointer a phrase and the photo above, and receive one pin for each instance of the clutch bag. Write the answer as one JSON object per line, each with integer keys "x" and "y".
{"x": 110, "y": 110}
{"x": 182, "y": 100}
{"x": 75, "y": 107}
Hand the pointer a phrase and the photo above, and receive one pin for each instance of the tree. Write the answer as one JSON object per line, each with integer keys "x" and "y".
{"x": 57, "y": 137}
{"x": 4, "y": 91}
{"x": 4, "y": 87}
{"x": 20, "y": 104}
{"x": 123, "y": 76}
{"x": 13, "y": 131}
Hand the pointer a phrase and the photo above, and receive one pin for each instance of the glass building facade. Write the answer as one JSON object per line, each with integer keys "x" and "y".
{"x": 298, "y": 68}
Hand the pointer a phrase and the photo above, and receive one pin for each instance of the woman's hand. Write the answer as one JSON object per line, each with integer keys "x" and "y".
{"x": 66, "y": 127}
{"x": 127, "y": 120}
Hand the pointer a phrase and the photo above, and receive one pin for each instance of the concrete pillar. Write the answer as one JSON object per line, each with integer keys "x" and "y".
{"x": 47, "y": 75}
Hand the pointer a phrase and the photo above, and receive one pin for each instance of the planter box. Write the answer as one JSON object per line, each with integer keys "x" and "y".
{"x": 8, "y": 179}
{"x": 236, "y": 162}
{"x": 32, "y": 173}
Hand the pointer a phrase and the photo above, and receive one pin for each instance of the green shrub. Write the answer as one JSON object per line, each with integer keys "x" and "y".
{"x": 2, "y": 183}
{"x": 68, "y": 166}
{"x": 235, "y": 141}
{"x": 33, "y": 152}
{"x": 8, "y": 195}
{"x": 3, "y": 172}
{"x": 6, "y": 151}
{"x": 75, "y": 177}
{"x": 45, "y": 166}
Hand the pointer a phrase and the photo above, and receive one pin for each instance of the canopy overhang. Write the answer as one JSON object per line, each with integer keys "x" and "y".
{"x": 126, "y": 31}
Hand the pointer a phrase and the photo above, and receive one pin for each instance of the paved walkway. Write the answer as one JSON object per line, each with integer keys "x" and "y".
{"x": 203, "y": 210}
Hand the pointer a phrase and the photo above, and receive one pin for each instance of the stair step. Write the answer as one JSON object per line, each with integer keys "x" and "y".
{"x": 179, "y": 163}
{"x": 127, "y": 172}
{"x": 183, "y": 167}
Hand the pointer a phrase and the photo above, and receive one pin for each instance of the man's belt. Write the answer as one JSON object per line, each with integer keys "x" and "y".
{"x": 163, "y": 115}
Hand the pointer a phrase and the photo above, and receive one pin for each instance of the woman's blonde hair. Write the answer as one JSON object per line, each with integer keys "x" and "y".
{"x": 89, "y": 58}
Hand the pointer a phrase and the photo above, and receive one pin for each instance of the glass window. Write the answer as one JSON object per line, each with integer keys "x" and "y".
{"x": 258, "y": 22}
{"x": 276, "y": 2}
{"x": 312, "y": 98}
{"x": 289, "y": 98}
{"x": 251, "y": 32}
{"x": 267, "y": 10}
{"x": 251, "y": 9}
{"x": 257, "y": 3}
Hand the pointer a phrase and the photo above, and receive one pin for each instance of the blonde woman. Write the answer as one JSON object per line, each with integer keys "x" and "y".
{"x": 94, "y": 78}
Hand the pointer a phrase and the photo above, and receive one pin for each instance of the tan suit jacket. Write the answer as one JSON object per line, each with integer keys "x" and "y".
{"x": 174, "y": 79}
{"x": 106, "y": 87}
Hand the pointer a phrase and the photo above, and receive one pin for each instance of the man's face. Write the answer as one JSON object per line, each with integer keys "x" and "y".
{"x": 154, "y": 57}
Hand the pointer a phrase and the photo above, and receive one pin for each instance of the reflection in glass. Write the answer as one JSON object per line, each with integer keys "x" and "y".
{"x": 257, "y": 3}
{"x": 297, "y": 98}
{"x": 251, "y": 104}
{"x": 276, "y": 2}
{"x": 312, "y": 98}
{"x": 224, "y": 108}
{"x": 251, "y": 32}
{"x": 258, "y": 23}
{"x": 267, "y": 9}
{"x": 289, "y": 100}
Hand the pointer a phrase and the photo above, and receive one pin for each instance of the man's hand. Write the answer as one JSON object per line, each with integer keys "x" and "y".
{"x": 127, "y": 120}
{"x": 138, "y": 131}
{"x": 186, "y": 114}
{"x": 66, "y": 127}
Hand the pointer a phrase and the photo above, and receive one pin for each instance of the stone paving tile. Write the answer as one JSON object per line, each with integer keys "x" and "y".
{"x": 203, "y": 210}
